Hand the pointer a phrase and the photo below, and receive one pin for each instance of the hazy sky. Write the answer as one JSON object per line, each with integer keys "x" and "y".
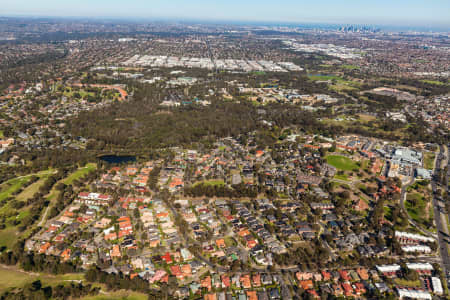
{"x": 392, "y": 12}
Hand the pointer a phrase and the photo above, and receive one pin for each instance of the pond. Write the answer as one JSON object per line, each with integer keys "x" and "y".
{"x": 118, "y": 159}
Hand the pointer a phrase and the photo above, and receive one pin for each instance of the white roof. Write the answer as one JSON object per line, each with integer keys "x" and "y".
{"x": 420, "y": 266}
{"x": 388, "y": 268}
{"x": 94, "y": 195}
{"x": 414, "y": 294}
{"x": 416, "y": 248}
{"x": 437, "y": 286}
{"x": 413, "y": 236}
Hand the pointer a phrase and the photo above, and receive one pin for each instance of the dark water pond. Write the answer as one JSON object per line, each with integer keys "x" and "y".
{"x": 118, "y": 159}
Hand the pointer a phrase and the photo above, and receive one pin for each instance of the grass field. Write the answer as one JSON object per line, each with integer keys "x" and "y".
{"x": 416, "y": 206}
{"x": 11, "y": 186}
{"x": 8, "y": 237}
{"x": 428, "y": 160}
{"x": 435, "y": 82}
{"x": 324, "y": 77}
{"x": 69, "y": 92}
{"x": 14, "y": 277}
{"x": 387, "y": 213}
{"x": 79, "y": 173}
{"x": 337, "y": 185}
{"x": 339, "y": 83}
{"x": 30, "y": 190}
{"x": 342, "y": 162}
{"x": 17, "y": 278}
{"x": 118, "y": 295}
{"x": 212, "y": 182}
{"x": 350, "y": 67}
{"x": 408, "y": 283}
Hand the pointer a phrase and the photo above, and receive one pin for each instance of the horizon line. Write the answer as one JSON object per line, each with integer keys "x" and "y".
{"x": 442, "y": 27}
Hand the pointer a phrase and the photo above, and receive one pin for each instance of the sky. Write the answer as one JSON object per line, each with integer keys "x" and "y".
{"x": 380, "y": 12}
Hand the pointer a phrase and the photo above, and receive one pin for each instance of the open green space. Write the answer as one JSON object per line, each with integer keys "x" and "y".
{"x": 416, "y": 206}
{"x": 118, "y": 295}
{"x": 435, "y": 82}
{"x": 259, "y": 73}
{"x": 387, "y": 213}
{"x": 324, "y": 77}
{"x": 341, "y": 177}
{"x": 408, "y": 283}
{"x": 12, "y": 186}
{"x": 428, "y": 160}
{"x": 80, "y": 173}
{"x": 350, "y": 67}
{"x": 342, "y": 162}
{"x": 339, "y": 83}
{"x": 212, "y": 182}
{"x": 33, "y": 188}
{"x": 336, "y": 185}
{"x": 8, "y": 237}
{"x": 229, "y": 241}
{"x": 14, "y": 277}
{"x": 70, "y": 92}
{"x": 375, "y": 127}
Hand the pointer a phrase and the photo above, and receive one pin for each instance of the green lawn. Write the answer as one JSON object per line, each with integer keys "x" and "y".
{"x": 79, "y": 173}
{"x": 229, "y": 241}
{"x": 33, "y": 188}
{"x": 17, "y": 278}
{"x": 69, "y": 92}
{"x": 212, "y": 182}
{"x": 408, "y": 283}
{"x": 350, "y": 67}
{"x": 342, "y": 163}
{"x": 416, "y": 206}
{"x": 387, "y": 213}
{"x": 325, "y": 77}
{"x": 341, "y": 177}
{"x": 339, "y": 82}
{"x": 12, "y": 185}
{"x": 118, "y": 295}
{"x": 435, "y": 82}
{"x": 9, "y": 187}
{"x": 259, "y": 73}
{"x": 8, "y": 237}
{"x": 428, "y": 160}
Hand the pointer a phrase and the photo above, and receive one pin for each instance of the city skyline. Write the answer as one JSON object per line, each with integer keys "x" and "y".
{"x": 434, "y": 13}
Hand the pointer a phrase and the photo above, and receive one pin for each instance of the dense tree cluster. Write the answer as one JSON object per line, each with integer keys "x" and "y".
{"x": 35, "y": 262}
{"x": 121, "y": 281}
